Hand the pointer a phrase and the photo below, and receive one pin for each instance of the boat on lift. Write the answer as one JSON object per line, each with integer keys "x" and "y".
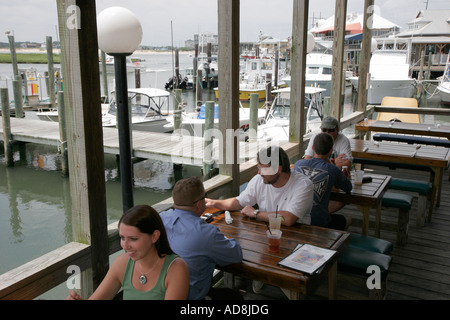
{"x": 444, "y": 84}
{"x": 276, "y": 125}
{"x": 149, "y": 110}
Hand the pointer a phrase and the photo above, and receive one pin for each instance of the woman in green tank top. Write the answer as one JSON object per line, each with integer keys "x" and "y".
{"x": 148, "y": 270}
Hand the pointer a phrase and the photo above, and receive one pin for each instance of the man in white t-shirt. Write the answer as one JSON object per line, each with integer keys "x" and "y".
{"x": 274, "y": 189}
{"x": 342, "y": 150}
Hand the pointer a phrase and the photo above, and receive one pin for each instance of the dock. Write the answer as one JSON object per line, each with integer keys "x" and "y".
{"x": 186, "y": 150}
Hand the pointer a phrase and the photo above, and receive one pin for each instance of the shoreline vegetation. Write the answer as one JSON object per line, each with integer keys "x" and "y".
{"x": 35, "y": 56}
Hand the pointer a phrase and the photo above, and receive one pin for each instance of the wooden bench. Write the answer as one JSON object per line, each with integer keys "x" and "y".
{"x": 403, "y": 203}
{"x": 411, "y": 139}
{"x": 353, "y": 269}
{"x": 423, "y": 190}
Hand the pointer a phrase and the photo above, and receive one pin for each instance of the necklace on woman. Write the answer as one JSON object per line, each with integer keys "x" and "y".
{"x": 143, "y": 277}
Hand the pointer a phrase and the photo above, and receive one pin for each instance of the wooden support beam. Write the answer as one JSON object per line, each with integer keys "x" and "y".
{"x": 228, "y": 26}
{"x": 363, "y": 81}
{"x": 338, "y": 58}
{"x": 297, "y": 122}
{"x": 79, "y": 54}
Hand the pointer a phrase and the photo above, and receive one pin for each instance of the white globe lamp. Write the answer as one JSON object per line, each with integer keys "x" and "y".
{"x": 119, "y": 35}
{"x": 119, "y": 31}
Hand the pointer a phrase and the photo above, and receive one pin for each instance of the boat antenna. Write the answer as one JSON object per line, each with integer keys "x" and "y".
{"x": 171, "y": 36}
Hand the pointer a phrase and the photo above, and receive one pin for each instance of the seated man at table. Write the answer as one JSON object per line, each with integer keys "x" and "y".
{"x": 342, "y": 150}
{"x": 200, "y": 244}
{"x": 324, "y": 176}
{"x": 274, "y": 189}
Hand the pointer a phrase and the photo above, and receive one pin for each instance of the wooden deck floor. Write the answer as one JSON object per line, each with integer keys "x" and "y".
{"x": 419, "y": 270}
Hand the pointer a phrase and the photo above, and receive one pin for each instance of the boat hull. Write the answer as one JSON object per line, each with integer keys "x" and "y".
{"x": 378, "y": 89}
{"x": 244, "y": 94}
{"x": 444, "y": 92}
{"x": 152, "y": 125}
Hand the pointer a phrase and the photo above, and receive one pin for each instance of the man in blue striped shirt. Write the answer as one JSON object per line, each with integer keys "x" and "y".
{"x": 200, "y": 244}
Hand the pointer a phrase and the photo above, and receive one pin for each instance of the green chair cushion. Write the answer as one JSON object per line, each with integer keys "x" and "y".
{"x": 397, "y": 200}
{"x": 356, "y": 261}
{"x": 370, "y": 243}
{"x": 421, "y": 187}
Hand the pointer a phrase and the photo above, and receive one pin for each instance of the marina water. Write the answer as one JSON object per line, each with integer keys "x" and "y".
{"x": 35, "y": 213}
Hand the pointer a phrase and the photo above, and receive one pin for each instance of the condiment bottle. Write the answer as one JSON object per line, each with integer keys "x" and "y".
{"x": 345, "y": 171}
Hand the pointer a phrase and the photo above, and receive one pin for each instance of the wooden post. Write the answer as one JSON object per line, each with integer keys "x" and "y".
{"x": 79, "y": 55}
{"x": 62, "y": 134}
{"x": 208, "y": 136}
{"x": 364, "y": 62}
{"x": 199, "y": 88}
{"x": 253, "y": 129}
{"x": 16, "y": 76}
{"x": 228, "y": 28}
{"x": 12, "y": 49}
{"x": 104, "y": 77}
{"x": 208, "y": 54}
{"x": 275, "y": 74}
{"x": 17, "y": 90}
{"x": 195, "y": 67}
{"x": 338, "y": 58}
{"x": 9, "y": 161}
{"x": 177, "y": 109}
{"x": 297, "y": 120}
{"x": 51, "y": 72}
{"x": 177, "y": 69}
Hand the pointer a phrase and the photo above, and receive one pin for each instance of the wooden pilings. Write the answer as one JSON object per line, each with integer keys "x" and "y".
{"x": 6, "y": 127}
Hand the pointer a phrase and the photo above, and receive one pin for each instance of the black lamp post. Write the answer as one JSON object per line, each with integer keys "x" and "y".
{"x": 119, "y": 35}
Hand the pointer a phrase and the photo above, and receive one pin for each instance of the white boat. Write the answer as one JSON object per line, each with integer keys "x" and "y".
{"x": 254, "y": 75}
{"x": 276, "y": 126}
{"x": 193, "y": 123}
{"x": 389, "y": 76}
{"x": 109, "y": 63}
{"x": 318, "y": 72}
{"x": 444, "y": 84}
{"x": 149, "y": 110}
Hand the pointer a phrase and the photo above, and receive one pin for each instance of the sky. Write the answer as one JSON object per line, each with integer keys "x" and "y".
{"x": 33, "y": 20}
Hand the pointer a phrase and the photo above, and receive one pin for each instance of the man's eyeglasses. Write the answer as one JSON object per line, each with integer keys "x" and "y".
{"x": 329, "y": 130}
{"x": 206, "y": 194}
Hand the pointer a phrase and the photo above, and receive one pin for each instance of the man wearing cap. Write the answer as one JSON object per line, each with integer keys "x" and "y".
{"x": 341, "y": 155}
{"x": 342, "y": 150}
{"x": 275, "y": 189}
{"x": 200, "y": 244}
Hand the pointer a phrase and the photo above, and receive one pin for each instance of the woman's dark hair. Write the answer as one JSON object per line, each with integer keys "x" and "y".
{"x": 147, "y": 220}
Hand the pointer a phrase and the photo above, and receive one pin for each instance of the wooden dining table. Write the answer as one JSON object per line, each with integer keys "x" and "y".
{"x": 262, "y": 265}
{"x": 418, "y": 129}
{"x": 436, "y": 158}
{"x": 365, "y": 196}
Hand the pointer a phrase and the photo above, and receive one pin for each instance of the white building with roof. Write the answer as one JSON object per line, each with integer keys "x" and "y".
{"x": 429, "y": 32}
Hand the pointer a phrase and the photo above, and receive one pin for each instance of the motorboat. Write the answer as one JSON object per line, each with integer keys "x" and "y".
{"x": 276, "y": 125}
{"x": 109, "y": 63}
{"x": 149, "y": 110}
{"x": 256, "y": 72}
{"x": 193, "y": 123}
{"x": 318, "y": 72}
{"x": 389, "y": 75}
{"x": 444, "y": 84}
